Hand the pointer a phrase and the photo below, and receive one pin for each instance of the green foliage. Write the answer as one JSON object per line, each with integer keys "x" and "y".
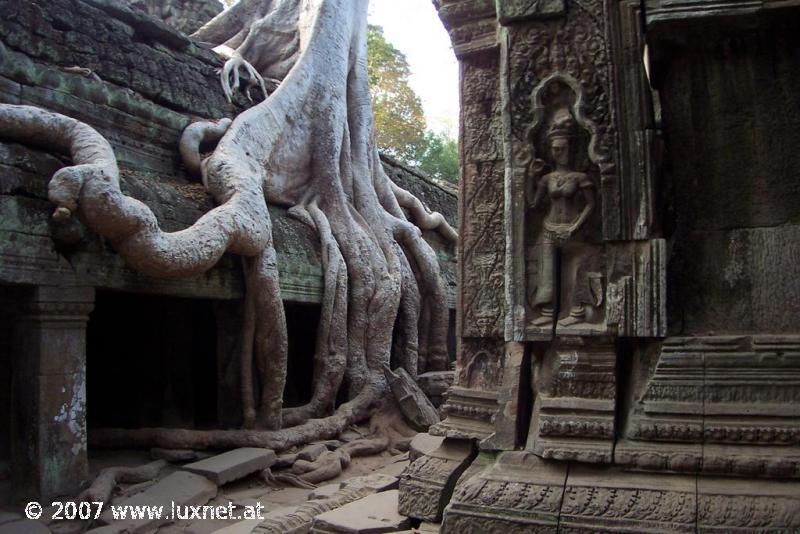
{"x": 438, "y": 157}
{"x": 400, "y": 126}
{"x": 399, "y": 119}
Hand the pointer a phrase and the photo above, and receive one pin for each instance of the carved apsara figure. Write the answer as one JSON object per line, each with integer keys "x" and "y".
{"x": 571, "y": 197}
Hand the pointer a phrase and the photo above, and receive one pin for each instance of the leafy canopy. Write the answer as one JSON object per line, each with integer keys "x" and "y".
{"x": 400, "y": 126}
{"x": 399, "y": 119}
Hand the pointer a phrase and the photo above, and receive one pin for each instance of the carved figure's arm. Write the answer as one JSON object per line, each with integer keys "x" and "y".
{"x": 588, "y": 195}
{"x": 535, "y": 195}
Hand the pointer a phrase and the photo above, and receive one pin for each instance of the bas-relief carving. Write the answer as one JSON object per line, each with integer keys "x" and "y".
{"x": 427, "y": 484}
{"x": 472, "y": 403}
{"x": 561, "y": 197}
{"x": 718, "y": 404}
{"x": 520, "y": 492}
{"x": 516, "y": 10}
{"x": 574, "y": 382}
{"x": 482, "y": 240}
{"x": 563, "y": 193}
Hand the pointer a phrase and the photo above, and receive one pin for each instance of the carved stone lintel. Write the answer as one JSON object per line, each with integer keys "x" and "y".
{"x": 427, "y": 484}
{"x": 573, "y": 417}
{"x": 469, "y": 414}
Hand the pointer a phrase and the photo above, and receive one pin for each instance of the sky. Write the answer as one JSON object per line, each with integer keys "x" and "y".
{"x": 414, "y": 28}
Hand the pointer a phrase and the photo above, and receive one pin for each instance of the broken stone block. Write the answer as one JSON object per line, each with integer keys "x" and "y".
{"x": 233, "y": 465}
{"x": 423, "y": 444}
{"x": 396, "y": 467}
{"x": 180, "y": 488}
{"x": 427, "y": 484}
{"x": 376, "y": 482}
{"x": 416, "y": 407}
{"x": 374, "y": 514}
{"x": 434, "y": 384}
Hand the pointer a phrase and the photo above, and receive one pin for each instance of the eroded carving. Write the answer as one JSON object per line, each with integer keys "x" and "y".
{"x": 561, "y": 174}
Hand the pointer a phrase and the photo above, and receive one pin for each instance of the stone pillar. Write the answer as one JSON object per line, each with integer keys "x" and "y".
{"x": 49, "y": 392}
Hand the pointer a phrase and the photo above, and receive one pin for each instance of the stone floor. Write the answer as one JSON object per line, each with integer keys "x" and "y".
{"x": 377, "y": 513}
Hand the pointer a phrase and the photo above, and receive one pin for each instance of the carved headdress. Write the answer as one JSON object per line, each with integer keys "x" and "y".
{"x": 563, "y": 126}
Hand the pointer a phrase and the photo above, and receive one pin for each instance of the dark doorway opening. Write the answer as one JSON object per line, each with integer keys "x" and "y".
{"x": 151, "y": 361}
{"x": 302, "y": 321}
{"x": 8, "y": 318}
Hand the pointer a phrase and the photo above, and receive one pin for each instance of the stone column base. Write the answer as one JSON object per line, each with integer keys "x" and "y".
{"x": 427, "y": 484}
{"x": 521, "y": 493}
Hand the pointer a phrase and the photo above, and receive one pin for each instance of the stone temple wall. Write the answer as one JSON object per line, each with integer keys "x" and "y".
{"x": 138, "y": 82}
{"x": 629, "y": 352}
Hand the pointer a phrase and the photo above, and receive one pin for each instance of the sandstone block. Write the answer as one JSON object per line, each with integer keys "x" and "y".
{"x": 233, "y": 465}
{"x": 181, "y": 488}
{"x": 374, "y": 514}
{"x": 423, "y": 444}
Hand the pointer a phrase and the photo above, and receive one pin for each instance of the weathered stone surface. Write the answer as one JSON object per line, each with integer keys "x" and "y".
{"x": 371, "y": 515}
{"x": 573, "y": 415}
{"x": 184, "y": 15}
{"x": 471, "y": 403}
{"x": 493, "y": 499}
{"x": 423, "y": 444}
{"x": 50, "y": 403}
{"x": 232, "y": 465}
{"x": 434, "y": 384}
{"x": 175, "y": 455}
{"x": 723, "y": 404}
{"x": 427, "y": 484}
{"x": 180, "y": 488}
{"x": 413, "y": 402}
{"x": 299, "y": 518}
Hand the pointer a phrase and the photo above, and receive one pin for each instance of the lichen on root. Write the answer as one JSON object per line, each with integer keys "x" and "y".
{"x": 310, "y": 146}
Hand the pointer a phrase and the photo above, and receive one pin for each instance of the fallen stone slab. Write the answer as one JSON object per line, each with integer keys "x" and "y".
{"x": 26, "y": 526}
{"x": 233, "y": 465}
{"x": 416, "y": 407}
{"x": 180, "y": 488}
{"x": 375, "y": 482}
{"x": 177, "y": 456}
{"x": 299, "y": 519}
{"x": 423, "y": 444}
{"x": 373, "y": 514}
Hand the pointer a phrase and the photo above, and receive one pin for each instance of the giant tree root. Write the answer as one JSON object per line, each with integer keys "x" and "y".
{"x": 310, "y": 145}
{"x": 110, "y": 477}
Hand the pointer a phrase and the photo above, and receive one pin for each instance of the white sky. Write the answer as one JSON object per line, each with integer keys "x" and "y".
{"x": 414, "y": 28}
